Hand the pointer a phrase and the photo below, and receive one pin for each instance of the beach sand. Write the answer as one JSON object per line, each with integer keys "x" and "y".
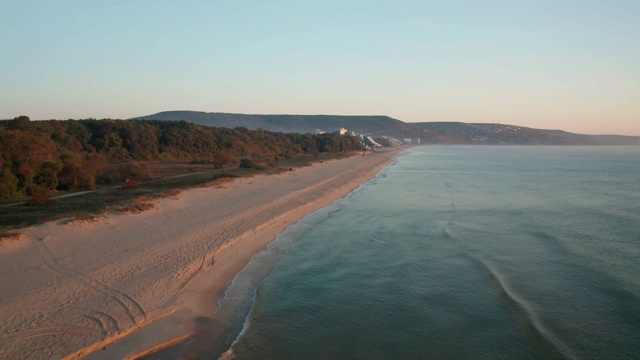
{"x": 120, "y": 286}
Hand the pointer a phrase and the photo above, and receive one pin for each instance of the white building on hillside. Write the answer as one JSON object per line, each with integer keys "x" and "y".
{"x": 369, "y": 141}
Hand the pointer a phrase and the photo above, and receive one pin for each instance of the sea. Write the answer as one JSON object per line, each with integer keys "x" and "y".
{"x": 453, "y": 252}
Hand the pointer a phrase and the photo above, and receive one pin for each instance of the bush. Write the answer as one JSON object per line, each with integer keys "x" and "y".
{"x": 40, "y": 195}
{"x": 246, "y": 163}
{"x": 221, "y": 159}
{"x": 133, "y": 172}
{"x": 87, "y": 182}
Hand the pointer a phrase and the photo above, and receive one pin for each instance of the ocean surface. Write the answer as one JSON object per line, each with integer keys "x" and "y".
{"x": 454, "y": 252}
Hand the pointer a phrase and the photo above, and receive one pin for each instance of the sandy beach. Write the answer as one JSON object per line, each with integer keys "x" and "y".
{"x": 124, "y": 285}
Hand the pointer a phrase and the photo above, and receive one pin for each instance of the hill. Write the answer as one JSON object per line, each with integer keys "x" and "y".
{"x": 373, "y": 124}
{"x": 498, "y": 134}
{"x": 379, "y": 125}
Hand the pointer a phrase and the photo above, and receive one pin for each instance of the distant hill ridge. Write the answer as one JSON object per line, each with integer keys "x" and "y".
{"x": 377, "y": 124}
{"x": 380, "y": 125}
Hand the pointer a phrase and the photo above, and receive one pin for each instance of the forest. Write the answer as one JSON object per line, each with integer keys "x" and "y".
{"x": 39, "y": 157}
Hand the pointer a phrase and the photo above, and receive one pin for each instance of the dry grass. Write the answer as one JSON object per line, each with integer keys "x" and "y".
{"x": 164, "y": 169}
{"x": 170, "y": 194}
{"x": 277, "y": 171}
{"x": 9, "y": 236}
{"x": 82, "y": 220}
{"x": 135, "y": 208}
{"x": 173, "y": 168}
{"x": 145, "y": 203}
{"x": 219, "y": 182}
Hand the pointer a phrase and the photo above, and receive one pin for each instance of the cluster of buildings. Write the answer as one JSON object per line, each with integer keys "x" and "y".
{"x": 370, "y": 142}
{"x": 412, "y": 141}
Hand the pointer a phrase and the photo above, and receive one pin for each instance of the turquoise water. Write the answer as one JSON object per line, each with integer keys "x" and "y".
{"x": 455, "y": 252}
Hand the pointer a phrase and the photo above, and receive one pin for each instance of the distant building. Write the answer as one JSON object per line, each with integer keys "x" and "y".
{"x": 369, "y": 141}
{"x": 393, "y": 141}
{"x": 342, "y": 131}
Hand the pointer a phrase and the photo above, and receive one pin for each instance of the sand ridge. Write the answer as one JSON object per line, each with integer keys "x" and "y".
{"x": 129, "y": 283}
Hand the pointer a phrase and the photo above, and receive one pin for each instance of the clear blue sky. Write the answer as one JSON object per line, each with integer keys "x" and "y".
{"x": 561, "y": 64}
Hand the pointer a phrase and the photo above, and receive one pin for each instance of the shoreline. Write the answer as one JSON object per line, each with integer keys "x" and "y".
{"x": 126, "y": 286}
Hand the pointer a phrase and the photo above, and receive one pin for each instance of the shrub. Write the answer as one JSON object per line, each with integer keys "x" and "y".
{"x": 246, "y": 163}
{"x": 40, "y": 195}
{"x": 133, "y": 172}
{"x": 221, "y": 159}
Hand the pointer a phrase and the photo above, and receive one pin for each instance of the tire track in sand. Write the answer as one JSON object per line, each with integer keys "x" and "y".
{"x": 133, "y": 309}
{"x": 48, "y": 331}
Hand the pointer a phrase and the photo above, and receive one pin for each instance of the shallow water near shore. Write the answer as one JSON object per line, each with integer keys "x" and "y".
{"x": 458, "y": 252}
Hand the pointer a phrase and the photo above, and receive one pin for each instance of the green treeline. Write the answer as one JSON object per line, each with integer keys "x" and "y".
{"x": 38, "y": 157}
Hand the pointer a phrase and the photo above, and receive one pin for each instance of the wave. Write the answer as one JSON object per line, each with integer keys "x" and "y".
{"x": 229, "y": 354}
{"x": 260, "y": 267}
{"x": 525, "y": 308}
{"x": 534, "y": 323}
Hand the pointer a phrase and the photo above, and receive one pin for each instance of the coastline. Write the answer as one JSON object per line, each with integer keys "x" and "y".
{"x": 125, "y": 286}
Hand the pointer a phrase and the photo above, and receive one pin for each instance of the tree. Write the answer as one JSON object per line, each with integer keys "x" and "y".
{"x": 31, "y": 158}
{"x": 39, "y": 157}
{"x": 80, "y": 171}
{"x": 20, "y": 123}
{"x": 8, "y": 184}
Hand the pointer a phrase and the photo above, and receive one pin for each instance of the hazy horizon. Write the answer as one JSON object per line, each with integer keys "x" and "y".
{"x": 568, "y": 65}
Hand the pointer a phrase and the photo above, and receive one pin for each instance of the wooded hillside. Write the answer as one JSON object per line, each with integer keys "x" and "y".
{"x": 378, "y": 126}
{"x": 38, "y": 157}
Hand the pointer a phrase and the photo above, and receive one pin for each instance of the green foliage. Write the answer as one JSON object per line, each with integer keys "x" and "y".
{"x": 8, "y": 184}
{"x": 39, "y": 157}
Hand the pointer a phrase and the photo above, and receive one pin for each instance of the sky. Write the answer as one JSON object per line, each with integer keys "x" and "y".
{"x": 572, "y": 65}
